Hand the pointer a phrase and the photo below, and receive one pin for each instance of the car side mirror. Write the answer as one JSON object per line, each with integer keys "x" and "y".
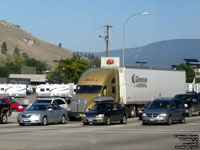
{"x": 50, "y": 109}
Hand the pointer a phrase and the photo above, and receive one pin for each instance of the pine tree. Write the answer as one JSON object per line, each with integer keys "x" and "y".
{"x": 4, "y": 48}
{"x": 16, "y": 51}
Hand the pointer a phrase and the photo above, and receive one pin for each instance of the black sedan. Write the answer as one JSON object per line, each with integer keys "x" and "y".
{"x": 105, "y": 113}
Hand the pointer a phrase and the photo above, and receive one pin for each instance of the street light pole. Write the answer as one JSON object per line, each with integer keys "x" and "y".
{"x": 124, "y": 26}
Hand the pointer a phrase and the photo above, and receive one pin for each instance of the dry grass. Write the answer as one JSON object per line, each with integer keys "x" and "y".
{"x": 26, "y": 43}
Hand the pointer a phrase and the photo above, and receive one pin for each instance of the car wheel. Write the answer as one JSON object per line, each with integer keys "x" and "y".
{"x": 132, "y": 112}
{"x": 63, "y": 119}
{"x": 183, "y": 119}
{"x": 169, "y": 120}
{"x": 44, "y": 121}
{"x": 21, "y": 124}
{"x": 108, "y": 121}
{"x": 145, "y": 123}
{"x": 85, "y": 123}
{"x": 190, "y": 112}
{"x": 4, "y": 119}
{"x": 124, "y": 120}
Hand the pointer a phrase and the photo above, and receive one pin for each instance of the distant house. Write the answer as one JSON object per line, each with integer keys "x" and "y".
{"x": 35, "y": 79}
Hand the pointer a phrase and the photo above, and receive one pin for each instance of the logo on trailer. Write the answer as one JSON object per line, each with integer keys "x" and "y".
{"x": 140, "y": 82}
{"x": 110, "y": 61}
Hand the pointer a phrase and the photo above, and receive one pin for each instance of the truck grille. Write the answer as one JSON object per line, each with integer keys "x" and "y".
{"x": 26, "y": 116}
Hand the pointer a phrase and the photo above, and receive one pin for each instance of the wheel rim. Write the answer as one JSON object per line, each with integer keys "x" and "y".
{"x": 108, "y": 121}
{"x": 170, "y": 121}
{"x": 124, "y": 120}
{"x": 63, "y": 119}
{"x": 4, "y": 119}
{"x": 44, "y": 121}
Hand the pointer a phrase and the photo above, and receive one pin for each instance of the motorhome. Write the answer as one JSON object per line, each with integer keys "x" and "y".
{"x": 15, "y": 90}
{"x": 55, "y": 90}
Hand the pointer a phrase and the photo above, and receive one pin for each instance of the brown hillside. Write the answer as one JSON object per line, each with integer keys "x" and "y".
{"x": 26, "y": 43}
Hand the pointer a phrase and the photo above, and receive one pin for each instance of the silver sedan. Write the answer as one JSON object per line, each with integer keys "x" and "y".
{"x": 43, "y": 114}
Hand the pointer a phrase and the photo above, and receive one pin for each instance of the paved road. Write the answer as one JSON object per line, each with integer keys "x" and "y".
{"x": 75, "y": 136}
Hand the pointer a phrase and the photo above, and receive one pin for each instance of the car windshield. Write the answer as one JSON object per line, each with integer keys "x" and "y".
{"x": 13, "y": 101}
{"x": 37, "y": 107}
{"x": 100, "y": 107}
{"x": 159, "y": 105}
{"x": 88, "y": 89}
{"x": 43, "y": 101}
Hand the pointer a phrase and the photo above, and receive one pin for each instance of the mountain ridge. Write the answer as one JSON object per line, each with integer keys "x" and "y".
{"x": 159, "y": 54}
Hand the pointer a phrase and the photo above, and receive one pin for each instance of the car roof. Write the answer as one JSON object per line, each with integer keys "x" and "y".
{"x": 186, "y": 94}
{"x": 48, "y": 98}
{"x": 165, "y": 99}
{"x": 41, "y": 104}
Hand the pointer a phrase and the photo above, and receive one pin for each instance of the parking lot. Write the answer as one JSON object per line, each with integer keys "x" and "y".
{"x": 75, "y": 136}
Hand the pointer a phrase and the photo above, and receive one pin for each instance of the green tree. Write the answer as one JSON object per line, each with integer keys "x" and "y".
{"x": 4, "y": 72}
{"x": 16, "y": 51}
{"x": 40, "y": 66}
{"x": 4, "y": 48}
{"x": 190, "y": 74}
{"x": 68, "y": 70}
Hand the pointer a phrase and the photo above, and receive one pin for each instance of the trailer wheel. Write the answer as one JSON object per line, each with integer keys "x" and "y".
{"x": 132, "y": 111}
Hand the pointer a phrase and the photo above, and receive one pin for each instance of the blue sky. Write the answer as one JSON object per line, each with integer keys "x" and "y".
{"x": 78, "y": 23}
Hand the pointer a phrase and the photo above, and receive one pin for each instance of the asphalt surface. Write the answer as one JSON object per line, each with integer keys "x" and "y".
{"x": 75, "y": 136}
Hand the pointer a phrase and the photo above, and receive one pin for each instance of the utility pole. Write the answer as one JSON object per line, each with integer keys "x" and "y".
{"x": 107, "y": 38}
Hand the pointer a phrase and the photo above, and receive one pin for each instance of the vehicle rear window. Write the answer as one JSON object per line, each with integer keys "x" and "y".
{"x": 43, "y": 101}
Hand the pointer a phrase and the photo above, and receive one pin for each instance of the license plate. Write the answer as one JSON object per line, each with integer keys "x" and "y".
{"x": 25, "y": 120}
{"x": 152, "y": 119}
{"x": 90, "y": 120}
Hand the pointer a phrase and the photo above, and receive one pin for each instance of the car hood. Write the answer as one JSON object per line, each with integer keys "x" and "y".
{"x": 94, "y": 112}
{"x": 155, "y": 111}
{"x": 32, "y": 112}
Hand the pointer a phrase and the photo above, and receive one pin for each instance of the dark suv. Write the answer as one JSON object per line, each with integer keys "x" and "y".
{"x": 164, "y": 110}
{"x": 191, "y": 101}
{"x": 105, "y": 113}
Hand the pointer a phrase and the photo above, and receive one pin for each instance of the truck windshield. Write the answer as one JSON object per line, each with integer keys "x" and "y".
{"x": 88, "y": 89}
{"x": 159, "y": 105}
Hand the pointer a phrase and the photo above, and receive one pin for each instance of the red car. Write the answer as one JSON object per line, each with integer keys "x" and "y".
{"x": 15, "y": 106}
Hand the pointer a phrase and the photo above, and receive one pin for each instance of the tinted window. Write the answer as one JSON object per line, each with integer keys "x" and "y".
{"x": 160, "y": 105}
{"x": 100, "y": 107}
{"x": 178, "y": 104}
{"x": 43, "y": 101}
{"x": 88, "y": 89}
{"x": 3, "y": 101}
{"x": 37, "y": 107}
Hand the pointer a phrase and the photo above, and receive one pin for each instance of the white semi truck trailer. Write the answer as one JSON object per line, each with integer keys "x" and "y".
{"x": 132, "y": 87}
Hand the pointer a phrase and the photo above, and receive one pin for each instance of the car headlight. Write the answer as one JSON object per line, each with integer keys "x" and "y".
{"x": 144, "y": 115}
{"x": 100, "y": 115}
{"x": 83, "y": 115}
{"x": 20, "y": 107}
{"x": 163, "y": 115}
{"x": 186, "y": 105}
